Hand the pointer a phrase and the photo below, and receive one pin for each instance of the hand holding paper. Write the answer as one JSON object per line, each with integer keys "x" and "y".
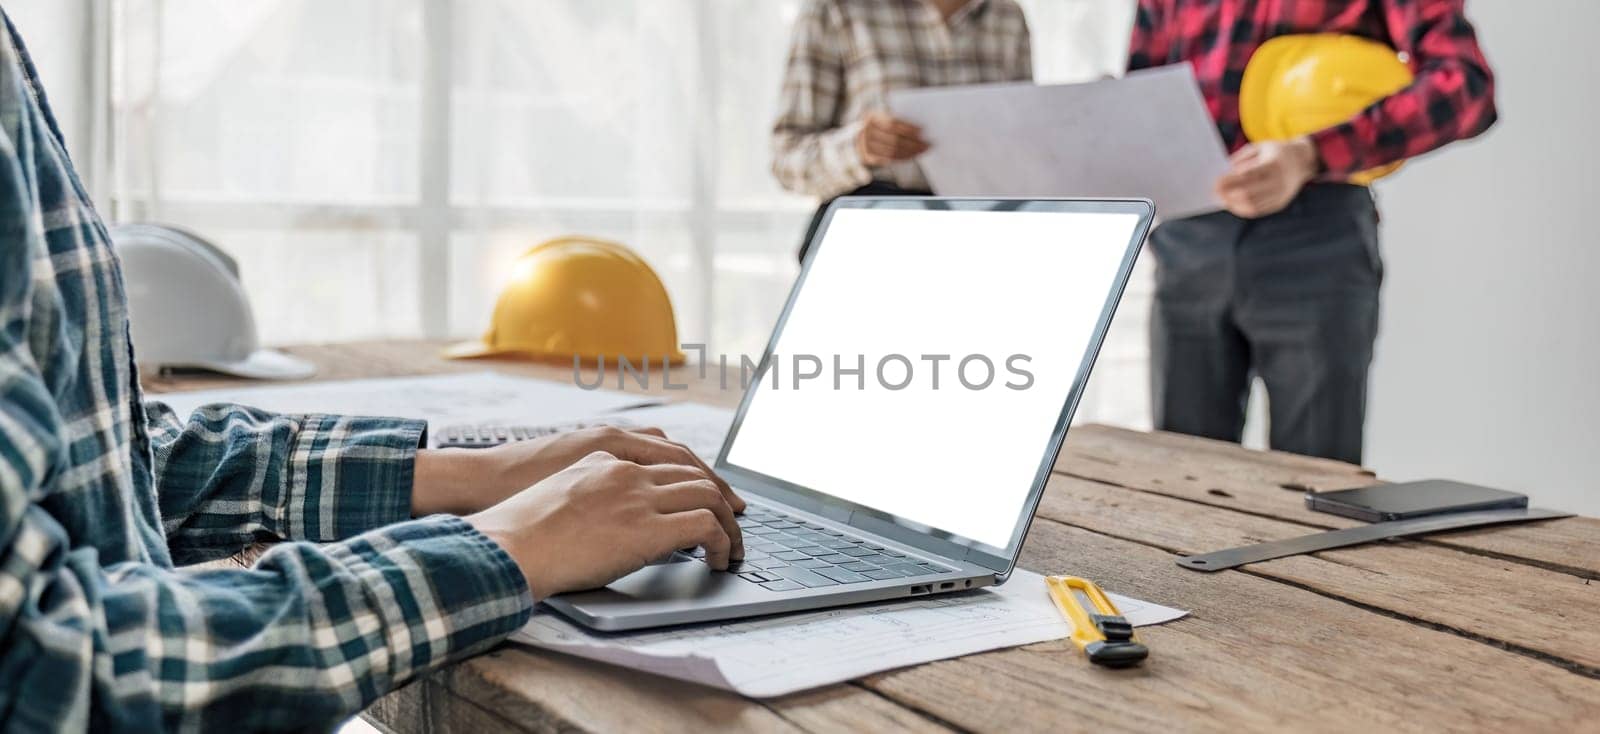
{"x": 885, "y": 139}
{"x": 1264, "y": 177}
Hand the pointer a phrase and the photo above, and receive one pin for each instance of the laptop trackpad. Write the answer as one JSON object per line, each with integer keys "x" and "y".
{"x": 672, "y": 579}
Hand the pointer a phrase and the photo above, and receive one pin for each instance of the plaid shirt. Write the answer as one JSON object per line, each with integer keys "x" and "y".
{"x": 101, "y": 495}
{"x": 1452, "y": 97}
{"x": 848, "y": 54}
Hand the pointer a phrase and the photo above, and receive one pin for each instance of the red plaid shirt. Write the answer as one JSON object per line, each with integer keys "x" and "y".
{"x": 1451, "y": 99}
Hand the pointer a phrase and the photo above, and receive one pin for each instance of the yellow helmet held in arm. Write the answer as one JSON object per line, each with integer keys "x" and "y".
{"x": 1298, "y": 84}
{"x": 583, "y": 297}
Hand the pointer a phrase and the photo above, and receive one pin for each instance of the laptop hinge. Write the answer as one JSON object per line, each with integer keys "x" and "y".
{"x": 930, "y": 543}
{"x": 1001, "y": 566}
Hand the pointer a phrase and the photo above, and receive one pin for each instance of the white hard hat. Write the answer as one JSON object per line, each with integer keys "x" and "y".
{"x": 187, "y": 308}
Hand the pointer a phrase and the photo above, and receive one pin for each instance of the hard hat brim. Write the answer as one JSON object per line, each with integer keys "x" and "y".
{"x": 262, "y": 364}
{"x": 470, "y": 350}
{"x": 481, "y": 350}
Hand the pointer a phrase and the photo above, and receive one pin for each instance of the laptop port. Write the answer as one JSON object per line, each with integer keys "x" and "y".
{"x": 947, "y": 585}
{"x": 922, "y": 589}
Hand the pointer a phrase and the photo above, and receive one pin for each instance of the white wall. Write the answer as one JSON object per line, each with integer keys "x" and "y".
{"x": 1488, "y": 366}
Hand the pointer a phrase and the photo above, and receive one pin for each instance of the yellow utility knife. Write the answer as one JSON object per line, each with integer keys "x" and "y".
{"x": 1098, "y": 629}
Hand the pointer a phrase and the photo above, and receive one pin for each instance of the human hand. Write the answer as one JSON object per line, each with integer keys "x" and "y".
{"x": 604, "y": 517}
{"x": 1264, "y": 177}
{"x": 884, "y": 139}
{"x": 468, "y": 480}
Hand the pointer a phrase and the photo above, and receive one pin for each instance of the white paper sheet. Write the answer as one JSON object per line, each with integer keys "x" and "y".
{"x": 471, "y": 398}
{"x": 1146, "y": 135}
{"x": 775, "y": 656}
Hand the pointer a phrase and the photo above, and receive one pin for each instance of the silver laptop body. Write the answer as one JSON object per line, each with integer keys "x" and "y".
{"x": 813, "y": 545}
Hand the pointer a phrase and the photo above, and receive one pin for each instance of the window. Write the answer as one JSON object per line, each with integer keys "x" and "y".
{"x": 375, "y": 164}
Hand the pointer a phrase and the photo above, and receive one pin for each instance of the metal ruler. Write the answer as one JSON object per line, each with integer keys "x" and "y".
{"x": 1234, "y": 557}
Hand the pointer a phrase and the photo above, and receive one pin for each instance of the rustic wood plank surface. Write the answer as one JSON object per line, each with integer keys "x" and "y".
{"x": 1547, "y": 613}
{"x": 1272, "y": 484}
{"x": 1489, "y": 629}
{"x": 1255, "y": 655}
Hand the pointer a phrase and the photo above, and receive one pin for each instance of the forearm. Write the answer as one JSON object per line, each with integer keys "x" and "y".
{"x": 307, "y": 637}
{"x": 822, "y": 163}
{"x": 1409, "y": 124}
{"x": 1450, "y": 99}
{"x": 460, "y": 481}
{"x": 813, "y": 144}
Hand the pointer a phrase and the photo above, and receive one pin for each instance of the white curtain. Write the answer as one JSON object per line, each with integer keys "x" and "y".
{"x": 375, "y": 164}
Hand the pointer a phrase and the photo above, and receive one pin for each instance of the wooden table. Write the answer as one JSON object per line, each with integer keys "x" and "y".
{"x": 1494, "y": 629}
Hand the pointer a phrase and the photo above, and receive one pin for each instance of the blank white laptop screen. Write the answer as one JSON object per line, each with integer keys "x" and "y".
{"x": 893, "y": 291}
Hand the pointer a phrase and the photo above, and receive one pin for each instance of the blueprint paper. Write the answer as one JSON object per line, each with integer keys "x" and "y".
{"x": 775, "y": 656}
{"x": 1147, "y": 135}
{"x": 471, "y": 398}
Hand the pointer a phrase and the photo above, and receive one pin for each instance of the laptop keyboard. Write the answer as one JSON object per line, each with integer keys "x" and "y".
{"x": 487, "y": 436}
{"x": 786, "y": 553}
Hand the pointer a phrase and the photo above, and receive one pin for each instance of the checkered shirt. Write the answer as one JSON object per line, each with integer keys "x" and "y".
{"x": 1451, "y": 98}
{"x": 847, "y": 55}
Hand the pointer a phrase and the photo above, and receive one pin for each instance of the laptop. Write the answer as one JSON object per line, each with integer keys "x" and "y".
{"x": 896, "y": 436}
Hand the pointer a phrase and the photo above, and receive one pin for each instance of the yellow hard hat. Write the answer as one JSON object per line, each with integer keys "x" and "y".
{"x": 1299, "y": 84}
{"x": 576, "y": 296}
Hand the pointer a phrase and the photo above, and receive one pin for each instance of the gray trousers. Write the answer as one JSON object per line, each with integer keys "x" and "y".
{"x": 1292, "y": 297}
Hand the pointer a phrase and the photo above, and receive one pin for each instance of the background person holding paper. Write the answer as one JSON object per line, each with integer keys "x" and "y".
{"x": 1284, "y": 284}
{"x": 834, "y": 135}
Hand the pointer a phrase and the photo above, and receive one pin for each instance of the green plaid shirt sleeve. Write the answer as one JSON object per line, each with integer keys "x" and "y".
{"x": 102, "y": 496}
{"x": 232, "y": 475}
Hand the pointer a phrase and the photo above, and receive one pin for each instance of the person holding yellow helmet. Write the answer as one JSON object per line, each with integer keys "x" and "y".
{"x": 1315, "y": 99}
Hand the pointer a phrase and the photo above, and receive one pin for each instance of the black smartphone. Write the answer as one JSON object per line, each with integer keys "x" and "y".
{"x": 1405, "y": 500}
